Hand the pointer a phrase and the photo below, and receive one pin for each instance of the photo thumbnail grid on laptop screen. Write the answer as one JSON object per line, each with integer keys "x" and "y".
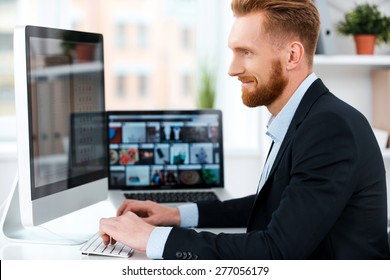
{"x": 165, "y": 149}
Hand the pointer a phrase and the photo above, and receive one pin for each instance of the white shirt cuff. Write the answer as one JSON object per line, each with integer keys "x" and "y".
{"x": 189, "y": 215}
{"x": 156, "y": 242}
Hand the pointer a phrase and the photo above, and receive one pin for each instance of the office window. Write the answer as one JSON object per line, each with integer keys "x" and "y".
{"x": 186, "y": 38}
{"x": 136, "y": 32}
{"x": 7, "y": 23}
{"x": 7, "y": 106}
{"x": 120, "y": 37}
{"x": 6, "y": 42}
{"x": 121, "y": 86}
{"x": 6, "y": 75}
{"x": 159, "y": 33}
{"x": 143, "y": 32}
{"x": 186, "y": 84}
{"x": 143, "y": 85}
{"x": 142, "y": 36}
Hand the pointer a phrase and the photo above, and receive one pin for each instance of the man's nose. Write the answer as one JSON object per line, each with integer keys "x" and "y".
{"x": 235, "y": 68}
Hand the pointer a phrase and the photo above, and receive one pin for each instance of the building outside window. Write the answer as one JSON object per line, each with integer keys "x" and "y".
{"x": 186, "y": 38}
{"x": 121, "y": 86}
{"x": 142, "y": 36}
{"x": 148, "y": 33}
{"x": 186, "y": 84}
{"x": 7, "y": 22}
{"x": 120, "y": 38}
{"x": 147, "y": 44}
{"x": 143, "y": 88}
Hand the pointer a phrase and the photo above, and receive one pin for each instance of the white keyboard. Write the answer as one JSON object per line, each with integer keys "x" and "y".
{"x": 95, "y": 246}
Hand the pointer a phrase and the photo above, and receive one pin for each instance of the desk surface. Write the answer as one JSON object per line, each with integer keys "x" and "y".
{"x": 20, "y": 251}
{"x": 24, "y": 251}
{"x": 87, "y": 220}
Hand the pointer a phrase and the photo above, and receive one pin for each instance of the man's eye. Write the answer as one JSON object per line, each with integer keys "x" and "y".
{"x": 245, "y": 52}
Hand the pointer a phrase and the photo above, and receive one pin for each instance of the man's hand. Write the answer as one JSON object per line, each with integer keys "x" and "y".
{"x": 128, "y": 229}
{"x": 135, "y": 221}
{"x": 151, "y": 212}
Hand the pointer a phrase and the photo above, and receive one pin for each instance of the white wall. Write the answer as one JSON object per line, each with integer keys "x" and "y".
{"x": 242, "y": 174}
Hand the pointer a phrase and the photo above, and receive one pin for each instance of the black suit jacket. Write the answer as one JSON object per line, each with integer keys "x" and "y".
{"x": 325, "y": 197}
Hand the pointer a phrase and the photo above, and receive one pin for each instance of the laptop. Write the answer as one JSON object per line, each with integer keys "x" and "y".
{"x": 166, "y": 156}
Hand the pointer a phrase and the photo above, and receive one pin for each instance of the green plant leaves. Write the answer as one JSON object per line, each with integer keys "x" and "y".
{"x": 366, "y": 19}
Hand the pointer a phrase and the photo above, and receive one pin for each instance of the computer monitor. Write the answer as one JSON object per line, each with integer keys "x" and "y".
{"x": 61, "y": 124}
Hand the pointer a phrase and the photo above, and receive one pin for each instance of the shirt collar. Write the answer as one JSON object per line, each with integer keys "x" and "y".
{"x": 278, "y": 125}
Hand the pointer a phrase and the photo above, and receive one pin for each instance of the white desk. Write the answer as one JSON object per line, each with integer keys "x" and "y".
{"x": 87, "y": 220}
{"x": 24, "y": 251}
{"x": 20, "y": 251}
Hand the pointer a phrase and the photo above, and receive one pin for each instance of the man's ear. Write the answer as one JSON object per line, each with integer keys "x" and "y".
{"x": 295, "y": 55}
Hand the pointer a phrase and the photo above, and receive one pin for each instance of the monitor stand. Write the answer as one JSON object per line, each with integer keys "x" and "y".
{"x": 13, "y": 229}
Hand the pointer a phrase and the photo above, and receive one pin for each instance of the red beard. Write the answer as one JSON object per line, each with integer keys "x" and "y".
{"x": 267, "y": 93}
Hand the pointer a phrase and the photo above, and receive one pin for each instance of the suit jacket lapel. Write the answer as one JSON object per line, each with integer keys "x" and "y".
{"x": 312, "y": 94}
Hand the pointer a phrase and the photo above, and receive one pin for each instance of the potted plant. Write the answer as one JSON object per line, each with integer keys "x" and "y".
{"x": 368, "y": 26}
{"x": 206, "y": 94}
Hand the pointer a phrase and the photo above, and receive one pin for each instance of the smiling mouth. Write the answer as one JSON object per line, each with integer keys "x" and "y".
{"x": 245, "y": 82}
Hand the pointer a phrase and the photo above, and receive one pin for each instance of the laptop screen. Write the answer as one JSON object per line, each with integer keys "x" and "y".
{"x": 165, "y": 149}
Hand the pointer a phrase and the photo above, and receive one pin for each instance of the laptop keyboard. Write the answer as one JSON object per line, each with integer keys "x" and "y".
{"x": 172, "y": 197}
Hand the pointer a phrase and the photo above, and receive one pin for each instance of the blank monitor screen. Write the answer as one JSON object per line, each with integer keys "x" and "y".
{"x": 61, "y": 118}
{"x": 67, "y": 113}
